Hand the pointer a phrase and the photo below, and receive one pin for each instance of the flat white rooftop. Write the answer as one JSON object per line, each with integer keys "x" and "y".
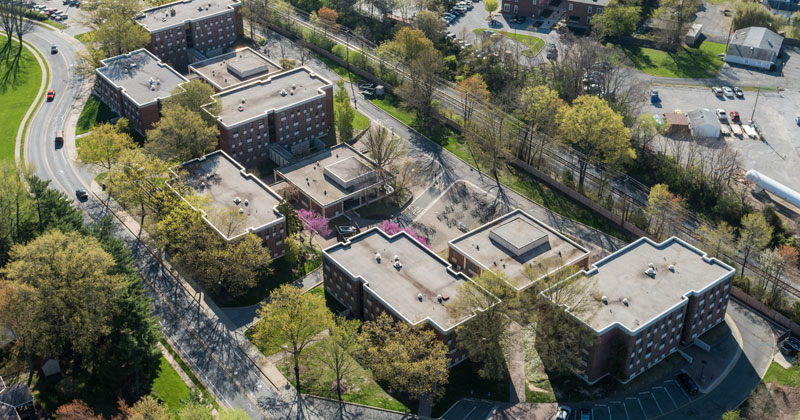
{"x": 226, "y": 70}
{"x": 622, "y": 275}
{"x": 177, "y": 13}
{"x": 263, "y": 96}
{"x": 516, "y": 243}
{"x": 141, "y": 76}
{"x": 330, "y": 175}
{"x": 423, "y": 272}
{"x": 223, "y": 182}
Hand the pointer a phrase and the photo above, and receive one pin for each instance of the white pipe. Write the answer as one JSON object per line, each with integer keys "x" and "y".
{"x": 764, "y": 182}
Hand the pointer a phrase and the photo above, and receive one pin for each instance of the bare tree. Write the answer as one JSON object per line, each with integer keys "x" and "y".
{"x": 491, "y": 137}
{"x": 15, "y": 25}
{"x": 383, "y": 146}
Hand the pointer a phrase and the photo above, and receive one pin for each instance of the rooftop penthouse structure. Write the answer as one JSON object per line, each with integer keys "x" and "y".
{"x": 333, "y": 181}
{"x": 228, "y": 71}
{"x": 521, "y": 247}
{"x": 652, "y": 298}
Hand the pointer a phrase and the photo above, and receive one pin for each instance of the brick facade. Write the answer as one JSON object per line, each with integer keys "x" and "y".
{"x": 527, "y": 8}
{"x": 579, "y": 13}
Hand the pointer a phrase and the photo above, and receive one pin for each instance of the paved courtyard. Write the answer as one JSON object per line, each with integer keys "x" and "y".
{"x": 778, "y": 156}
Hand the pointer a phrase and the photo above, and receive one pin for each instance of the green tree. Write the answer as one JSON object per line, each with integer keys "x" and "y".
{"x": 103, "y": 146}
{"x": 409, "y": 43}
{"x": 473, "y": 91}
{"x": 383, "y": 146}
{"x": 485, "y": 337}
{"x": 17, "y": 211}
{"x": 293, "y": 223}
{"x": 617, "y": 19}
{"x": 491, "y": 7}
{"x": 336, "y": 351}
{"x": 410, "y": 360}
{"x": 718, "y": 241}
{"x": 423, "y": 77}
{"x": 192, "y": 96}
{"x": 231, "y": 266}
{"x": 343, "y": 112}
{"x": 292, "y": 252}
{"x": 732, "y": 415}
{"x": 194, "y": 411}
{"x": 136, "y": 180}
{"x": 180, "y": 134}
{"x": 149, "y": 408}
{"x": 754, "y": 235}
{"x": 666, "y": 210}
{"x": 292, "y": 317}
{"x": 540, "y": 105}
{"x": 594, "y": 130}
{"x": 430, "y": 24}
{"x": 793, "y": 29}
{"x": 54, "y": 210}
{"x": 113, "y": 33}
{"x": 747, "y": 14}
{"x": 72, "y": 290}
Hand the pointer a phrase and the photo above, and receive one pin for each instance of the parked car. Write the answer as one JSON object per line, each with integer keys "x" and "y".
{"x": 81, "y": 194}
{"x": 721, "y": 115}
{"x": 519, "y": 19}
{"x": 787, "y": 350}
{"x": 734, "y": 116}
{"x": 728, "y": 91}
{"x": 551, "y": 51}
{"x": 687, "y": 383}
{"x": 586, "y": 414}
{"x": 51, "y": 94}
{"x": 717, "y": 91}
{"x": 738, "y": 92}
{"x": 345, "y": 231}
{"x": 54, "y": 49}
{"x": 563, "y": 413}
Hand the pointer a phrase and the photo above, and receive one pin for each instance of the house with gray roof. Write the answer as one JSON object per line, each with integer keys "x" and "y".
{"x": 703, "y": 122}
{"x": 755, "y": 47}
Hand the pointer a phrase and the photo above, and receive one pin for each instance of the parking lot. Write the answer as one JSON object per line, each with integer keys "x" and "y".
{"x": 665, "y": 397}
{"x": 778, "y": 155}
{"x": 477, "y": 18}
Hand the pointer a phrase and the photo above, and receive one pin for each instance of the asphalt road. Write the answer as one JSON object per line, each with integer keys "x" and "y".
{"x": 199, "y": 336}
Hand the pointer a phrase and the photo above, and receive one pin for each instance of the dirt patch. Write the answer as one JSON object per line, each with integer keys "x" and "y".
{"x": 461, "y": 208}
{"x": 773, "y": 401}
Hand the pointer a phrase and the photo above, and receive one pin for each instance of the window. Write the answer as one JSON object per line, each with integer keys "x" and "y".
{"x": 589, "y": 9}
{"x": 599, "y": 10}
{"x": 506, "y": 7}
{"x": 570, "y": 6}
{"x": 516, "y": 8}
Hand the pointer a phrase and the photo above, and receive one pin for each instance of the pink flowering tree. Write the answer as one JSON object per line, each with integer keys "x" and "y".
{"x": 314, "y": 223}
{"x": 391, "y": 228}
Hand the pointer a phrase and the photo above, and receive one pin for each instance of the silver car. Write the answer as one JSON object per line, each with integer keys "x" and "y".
{"x": 727, "y": 91}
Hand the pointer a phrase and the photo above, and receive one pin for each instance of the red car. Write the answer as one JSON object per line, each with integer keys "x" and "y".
{"x": 51, "y": 94}
{"x": 734, "y": 116}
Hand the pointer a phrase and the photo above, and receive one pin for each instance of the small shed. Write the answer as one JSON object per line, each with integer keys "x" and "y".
{"x": 678, "y": 123}
{"x": 693, "y": 35}
{"x": 703, "y": 123}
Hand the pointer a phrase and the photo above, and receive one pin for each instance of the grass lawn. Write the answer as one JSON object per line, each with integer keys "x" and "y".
{"x": 93, "y": 113}
{"x": 16, "y": 97}
{"x": 317, "y": 379}
{"x": 84, "y": 37}
{"x": 789, "y": 377}
{"x": 334, "y": 305}
{"x": 360, "y": 122}
{"x": 534, "y": 43}
{"x": 190, "y": 374}
{"x": 169, "y": 387}
{"x": 691, "y": 63}
{"x": 282, "y": 273}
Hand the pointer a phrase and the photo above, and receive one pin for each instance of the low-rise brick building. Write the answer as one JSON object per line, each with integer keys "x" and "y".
{"x": 517, "y": 245}
{"x": 276, "y": 118}
{"x": 208, "y": 26}
{"x": 373, "y": 273}
{"x": 333, "y": 181}
{"x": 226, "y": 184}
{"x": 133, "y": 85}
{"x": 580, "y": 12}
{"x": 527, "y": 8}
{"x": 648, "y": 300}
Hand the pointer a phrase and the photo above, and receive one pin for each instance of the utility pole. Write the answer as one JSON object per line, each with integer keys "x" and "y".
{"x": 755, "y": 104}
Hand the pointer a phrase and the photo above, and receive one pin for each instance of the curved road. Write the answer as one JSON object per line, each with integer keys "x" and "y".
{"x": 203, "y": 339}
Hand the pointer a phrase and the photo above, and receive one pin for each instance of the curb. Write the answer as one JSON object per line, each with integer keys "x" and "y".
{"x": 19, "y": 155}
{"x": 737, "y": 335}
